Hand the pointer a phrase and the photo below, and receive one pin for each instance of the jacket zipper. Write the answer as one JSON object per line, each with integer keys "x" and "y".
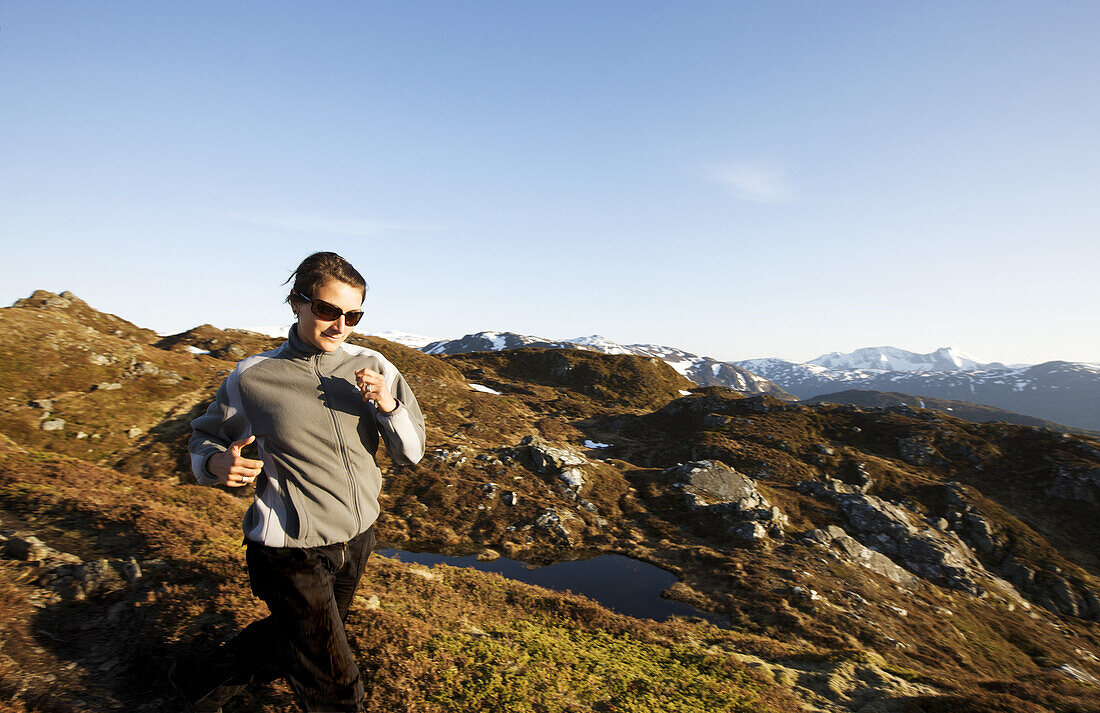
{"x": 340, "y": 443}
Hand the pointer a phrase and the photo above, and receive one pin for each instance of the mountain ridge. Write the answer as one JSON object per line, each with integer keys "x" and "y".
{"x": 1061, "y": 392}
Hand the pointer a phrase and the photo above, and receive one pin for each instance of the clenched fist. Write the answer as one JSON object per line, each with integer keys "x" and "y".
{"x": 233, "y": 470}
{"x": 373, "y": 387}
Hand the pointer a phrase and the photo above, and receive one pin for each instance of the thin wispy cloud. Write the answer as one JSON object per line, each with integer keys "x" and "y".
{"x": 329, "y": 225}
{"x": 754, "y": 182}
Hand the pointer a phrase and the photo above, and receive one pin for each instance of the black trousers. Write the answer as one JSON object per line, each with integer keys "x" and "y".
{"x": 309, "y": 591}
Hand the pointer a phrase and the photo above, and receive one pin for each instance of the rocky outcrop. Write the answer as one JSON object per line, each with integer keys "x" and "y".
{"x": 961, "y": 550}
{"x": 848, "y": 548}
{"x": 561, "y": 524}
{"x": 1048, "y": 585}
{"x": 1076, "y": 483}
{"x": 717, "y": 492}
{"x": 561, "y": 464}
{"x": 938, "y": 556}
{"x": 66, "y": 577}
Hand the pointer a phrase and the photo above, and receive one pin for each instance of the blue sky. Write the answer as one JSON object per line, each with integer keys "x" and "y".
{"x": 737, "y": 179}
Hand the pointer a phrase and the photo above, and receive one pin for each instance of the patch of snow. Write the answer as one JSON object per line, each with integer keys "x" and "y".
{"x": 276, "y": 332}
{"x": 196, "y": 350}
{"x": 600, "y": 344}
{"x": 413, "y": 341}
{"x": 484, "y": 389}
{"x": 685, "y": 393}
{"x": 595, "y": 444}
{"x": 497, "y": 340}
{"x": 681, "y": 366}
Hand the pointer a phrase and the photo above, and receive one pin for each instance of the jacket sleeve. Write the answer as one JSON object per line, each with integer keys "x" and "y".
{"x": 403, "y": 428}
{"x": 214, "y": 431}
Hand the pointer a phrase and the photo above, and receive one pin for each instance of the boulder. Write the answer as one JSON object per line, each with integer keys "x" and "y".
{"x": 562, "y": 463}
{"x": 715, "y": 490}
{"x": 850, "y": 549}
{"x": 547, "y": 459}
{"x": 717, "y": 482}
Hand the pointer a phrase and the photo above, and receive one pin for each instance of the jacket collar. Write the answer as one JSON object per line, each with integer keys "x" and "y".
{"x": 300, "y": 347}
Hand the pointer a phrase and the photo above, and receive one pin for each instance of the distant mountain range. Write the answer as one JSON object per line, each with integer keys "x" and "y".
{"x": 1064, "y": 392}
{"x": 702, "y": 370}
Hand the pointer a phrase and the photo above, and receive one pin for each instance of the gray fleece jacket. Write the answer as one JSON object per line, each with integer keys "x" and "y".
{"x": 316, "y": 437}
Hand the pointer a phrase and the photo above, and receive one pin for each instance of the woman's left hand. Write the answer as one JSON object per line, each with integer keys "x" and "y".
{"x": 373, "y": 387}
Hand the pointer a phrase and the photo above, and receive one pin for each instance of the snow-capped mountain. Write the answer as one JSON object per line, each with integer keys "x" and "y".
{"x": 600, "y": 344}
{"x": 894, "y": 359}
{"x": 492, "y": 342}
{"x": 1064, "y": 392}
{"x": 702, "y": 370}
{"x": 413, "y": 341}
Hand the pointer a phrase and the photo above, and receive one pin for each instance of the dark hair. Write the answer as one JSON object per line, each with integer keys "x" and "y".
{"x": 319, "y": 268}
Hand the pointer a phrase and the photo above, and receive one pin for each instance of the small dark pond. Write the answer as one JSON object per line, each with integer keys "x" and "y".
{"x": 619, "y": 583}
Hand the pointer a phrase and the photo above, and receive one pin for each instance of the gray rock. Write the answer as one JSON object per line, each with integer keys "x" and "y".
{"x": 917, "y": 450}
{"x": 557, "y": 522}
{"x": 99, "y": 576}
{"x": 572, "y": 477}
{"x": 1063, "y": 596}
{"x": 888, "y": 529}
{"x": 547, "y": 459}
{"x": 145, "y": 368}
{"x": 1076, "y": 483}
{"x": 25, "y": 548}
{"x": 715, "y": 490}
{"x": 854, "y": 551}
{"x": 108, "y": 386}
{"x": 54, "y": 424}
{"x": 131, "y": 570}
{"x": 716, "y": 481}
{"x": 749, "y": 531}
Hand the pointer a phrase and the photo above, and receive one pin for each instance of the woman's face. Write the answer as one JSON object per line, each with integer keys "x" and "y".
{"x": 325, "y": 335}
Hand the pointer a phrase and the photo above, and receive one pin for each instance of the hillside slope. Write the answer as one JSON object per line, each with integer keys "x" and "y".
{"x": 967, "y": 410}
{"x": 863, "y": 559}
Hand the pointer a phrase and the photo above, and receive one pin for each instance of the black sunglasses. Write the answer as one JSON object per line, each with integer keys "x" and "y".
{"x": 330, "y": 312}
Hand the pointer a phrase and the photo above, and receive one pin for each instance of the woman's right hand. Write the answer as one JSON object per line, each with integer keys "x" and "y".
{"x": 231, "y": 469}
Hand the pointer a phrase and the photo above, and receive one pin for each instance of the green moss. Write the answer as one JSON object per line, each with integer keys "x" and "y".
{"x": 533, "y": 668}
